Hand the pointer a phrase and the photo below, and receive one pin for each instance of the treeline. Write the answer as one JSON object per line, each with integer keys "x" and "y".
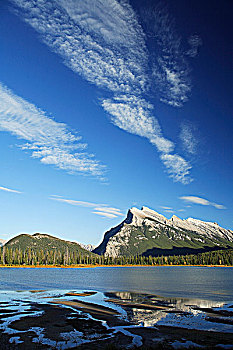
{"x": 35, "y": 257}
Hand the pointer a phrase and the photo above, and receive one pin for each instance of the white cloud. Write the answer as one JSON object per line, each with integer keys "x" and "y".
{"x": 170, "y": 69}
{"x": 99, "y": 209}
{"x": 8, "y": 190}
{"x": 109, "y": 210}
{"x": 218, "y": 206}
{"x": 134, "y": 115}
{"x": 73, "y": 202}
{"x": 187, "y": 137}
{"x": 177, "y": 167}
{"x": 82, "y": 33}
{"x": 173, "y": 88}
{"x": 107, "y": 215}
{"x": 169, "y": 211}
{"x": 194, "y": 42}
{"x": 102, "y": 41}
{"x": 166, "y": 208}
{"x": 201, "y": 201}
{"x": 48, "y": 140}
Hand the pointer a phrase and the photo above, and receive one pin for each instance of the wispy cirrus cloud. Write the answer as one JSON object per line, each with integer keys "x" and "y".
{"x": 103, "y": 42}
{"x": 169, "y": 211}
{"x": 201, "y": 201}
{"x": 177, "y": 167}
{"x": 166, "y": 208}
{"x": 73, "y": 202}
{"x": 105, "y": 214}
{"x": 134, "y": 115}
{"x": 8, "y": 190}
{"x": 109, "y": 210}
{"x": 187, "y": 137}
{"x": 83, "y": 33}
{"x": 98, "y": 209}
{"x": 195, "y": 42}
{"x": 170, "y": 69}
{"x": 48, "y": 140}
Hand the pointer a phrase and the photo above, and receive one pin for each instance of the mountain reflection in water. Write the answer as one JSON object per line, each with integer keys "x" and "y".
{"x": 63, "y": 319}
{"x": 150, "y": 310}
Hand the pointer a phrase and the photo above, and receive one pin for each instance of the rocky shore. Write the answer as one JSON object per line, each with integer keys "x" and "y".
{"x": 40, "y": 319}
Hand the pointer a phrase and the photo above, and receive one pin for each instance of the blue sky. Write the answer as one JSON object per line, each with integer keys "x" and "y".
{"x": 105, "y": 105}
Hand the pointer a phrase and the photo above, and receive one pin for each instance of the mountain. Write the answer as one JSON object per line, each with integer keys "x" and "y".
{"x": 2, "y": 242}
{"x": 45, "y": 242}
{"x": 147, "y": 232}
{"x": 89, "y": 247}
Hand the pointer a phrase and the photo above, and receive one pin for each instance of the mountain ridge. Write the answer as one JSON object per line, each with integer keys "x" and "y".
{"x": 143, "y": 231}
{"x": 45, "y": 241}
{"x": 2, "y": 242}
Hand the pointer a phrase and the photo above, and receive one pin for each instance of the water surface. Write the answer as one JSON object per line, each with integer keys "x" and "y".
{"x": 141, "y": 301}
{"x": 212, "y": 283}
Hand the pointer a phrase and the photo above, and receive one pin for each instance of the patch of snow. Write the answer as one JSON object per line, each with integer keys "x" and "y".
{"x": 184, "y": 345}
{"x": 15, "y": 340}
{"x": 224, "y": 346}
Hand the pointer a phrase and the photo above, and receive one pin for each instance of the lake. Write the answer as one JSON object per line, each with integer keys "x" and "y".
{"x": 63, "y": 308}
{"x": 211, "y": 283}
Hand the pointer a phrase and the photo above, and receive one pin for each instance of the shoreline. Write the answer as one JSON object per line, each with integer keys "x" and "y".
{"x": 93, "y": 266}
{"x": 114, "y": 320}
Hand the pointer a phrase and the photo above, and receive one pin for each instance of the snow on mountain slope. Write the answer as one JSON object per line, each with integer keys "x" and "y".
{"x": 145, "y": 230}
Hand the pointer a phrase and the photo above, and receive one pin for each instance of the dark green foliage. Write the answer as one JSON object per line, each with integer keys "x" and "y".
{"x": 42, "y": 241}
{"x": 34, "y": 256}
{"x": 41, "y": 249}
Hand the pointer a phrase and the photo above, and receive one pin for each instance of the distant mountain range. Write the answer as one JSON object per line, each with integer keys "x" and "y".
{"x": 89, "y": 247}
{"x": 147, "y": 232}
{"x": 143, "y": 232}
{"x": 45, "y": 242}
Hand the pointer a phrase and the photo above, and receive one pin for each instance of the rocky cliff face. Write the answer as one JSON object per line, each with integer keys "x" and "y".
{"x": 149, "y": 233}
{"x": 2, "y": 242}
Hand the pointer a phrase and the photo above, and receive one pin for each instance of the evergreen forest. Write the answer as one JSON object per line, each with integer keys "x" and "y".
{"x": 39, "y": 257}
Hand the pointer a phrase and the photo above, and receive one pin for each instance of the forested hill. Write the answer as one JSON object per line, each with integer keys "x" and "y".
{"x": 45, "y": 242}
{"x": 43, "y": 249}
